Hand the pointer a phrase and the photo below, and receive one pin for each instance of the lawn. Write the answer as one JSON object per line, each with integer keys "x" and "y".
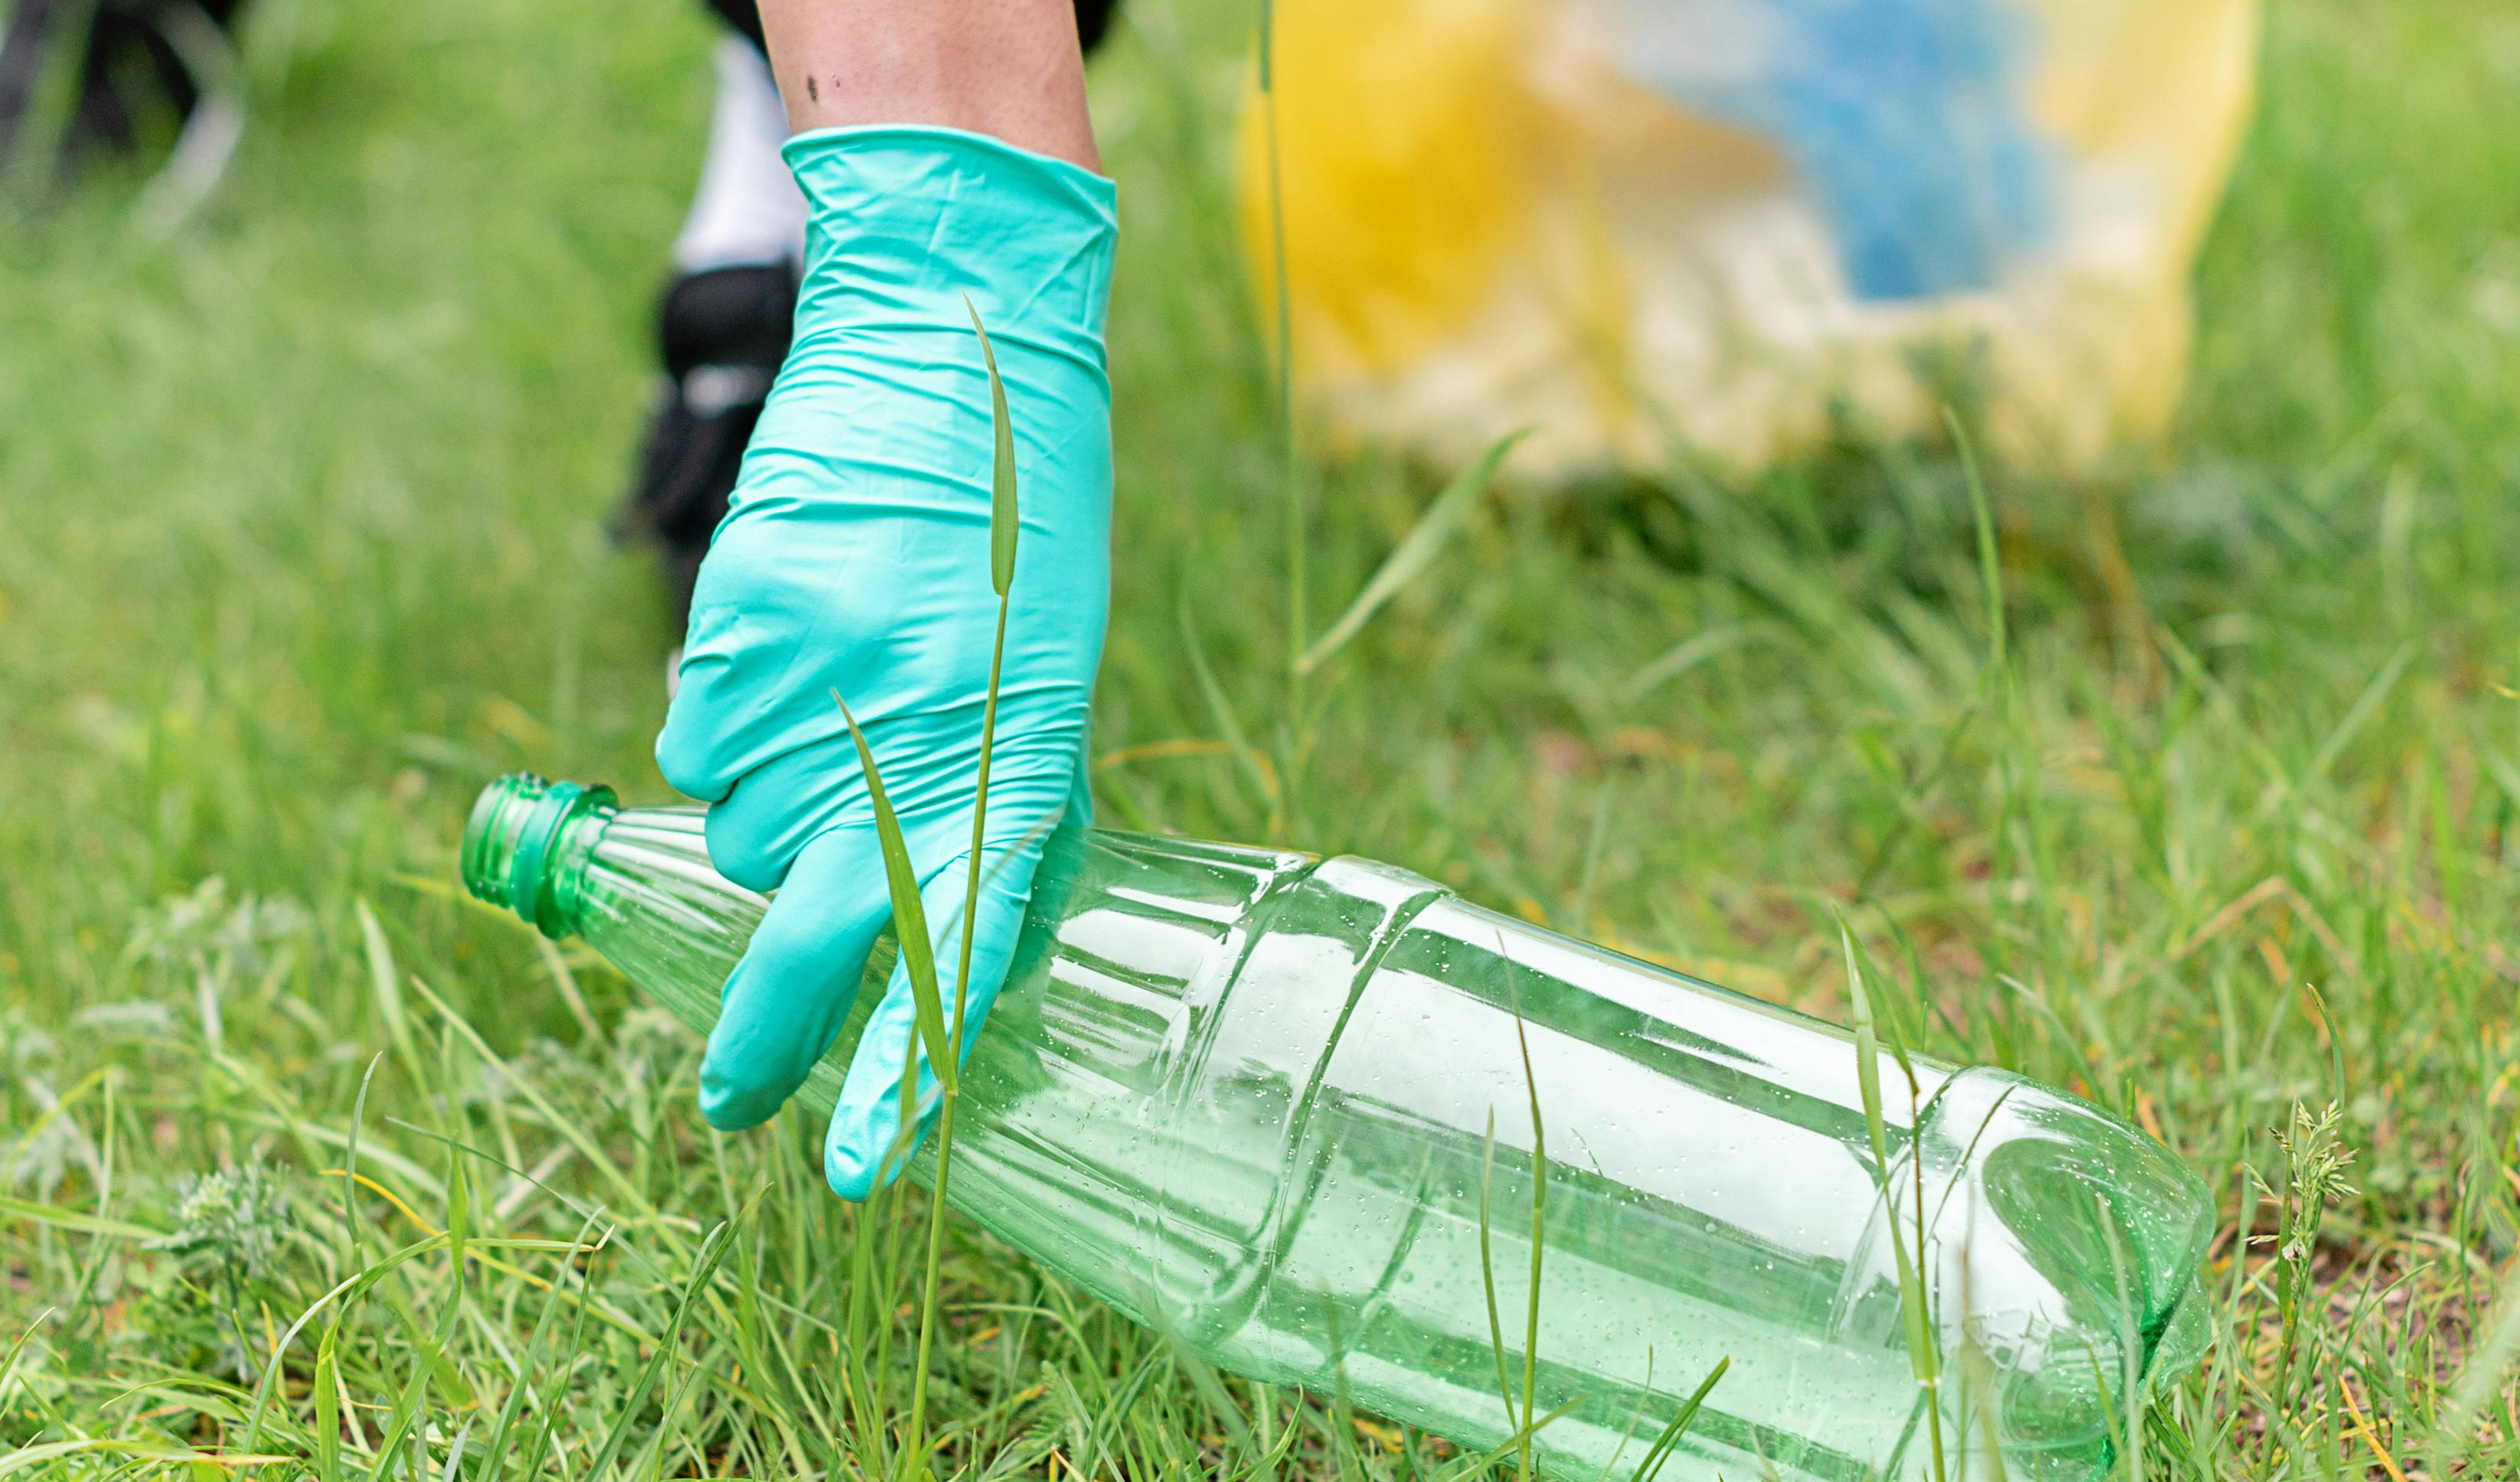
{"x": 304, "y": 504}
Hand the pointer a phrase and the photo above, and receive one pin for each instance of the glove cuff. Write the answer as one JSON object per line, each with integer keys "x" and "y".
{"x": 904, "y": 221}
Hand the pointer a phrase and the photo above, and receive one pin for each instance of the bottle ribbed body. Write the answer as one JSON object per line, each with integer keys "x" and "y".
{"x": 1260, "y": 1099}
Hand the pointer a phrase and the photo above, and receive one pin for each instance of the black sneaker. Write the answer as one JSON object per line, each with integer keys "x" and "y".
{"x": 724, "y": 331}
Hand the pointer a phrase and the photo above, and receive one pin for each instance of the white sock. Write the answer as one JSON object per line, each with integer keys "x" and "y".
{"x": 746, "y": 210}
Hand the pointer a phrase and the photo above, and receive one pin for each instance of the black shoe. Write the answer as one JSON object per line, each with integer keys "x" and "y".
{"x": 723, "y": 332}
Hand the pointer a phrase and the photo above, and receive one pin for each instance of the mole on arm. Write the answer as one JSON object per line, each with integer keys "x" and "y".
{"x": 813, "y": 91}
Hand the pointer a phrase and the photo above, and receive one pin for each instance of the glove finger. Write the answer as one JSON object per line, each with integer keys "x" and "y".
{"x": 1079, "y": 812}
{"x": 758, "y": 828}
{"x": 792, "y": 992}
{"x": 860, "y": 1153}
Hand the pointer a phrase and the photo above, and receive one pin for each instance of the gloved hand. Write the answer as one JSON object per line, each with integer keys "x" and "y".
{"x": 855, "y": 558}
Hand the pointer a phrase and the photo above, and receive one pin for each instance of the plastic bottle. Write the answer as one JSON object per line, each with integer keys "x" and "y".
{"x": 1251, "y": 1097}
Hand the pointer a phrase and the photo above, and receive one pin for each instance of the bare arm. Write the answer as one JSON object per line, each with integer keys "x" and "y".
{"x": 1009, "y": 68}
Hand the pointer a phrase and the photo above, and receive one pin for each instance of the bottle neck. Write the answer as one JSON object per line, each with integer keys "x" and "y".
{"x": 526, "y": 844}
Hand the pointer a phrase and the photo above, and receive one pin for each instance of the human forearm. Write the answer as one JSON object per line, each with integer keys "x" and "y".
{"x": 1009, "y": 68}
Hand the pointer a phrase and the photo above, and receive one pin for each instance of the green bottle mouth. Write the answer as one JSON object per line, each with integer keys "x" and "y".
{"x": 513, "y": 854}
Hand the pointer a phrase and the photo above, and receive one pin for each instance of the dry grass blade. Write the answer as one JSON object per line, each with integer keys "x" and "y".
{"x": 1415, "y": 551}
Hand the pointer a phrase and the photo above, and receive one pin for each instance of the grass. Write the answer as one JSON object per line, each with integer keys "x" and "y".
{"x": 303, "y": 505}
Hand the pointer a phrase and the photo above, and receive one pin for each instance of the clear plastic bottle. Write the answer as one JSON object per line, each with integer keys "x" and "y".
{"x": 1250, "y": 1097}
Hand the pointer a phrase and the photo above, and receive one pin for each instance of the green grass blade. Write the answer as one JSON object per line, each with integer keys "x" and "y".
{"x": 1989, "y": 565}
{"x": 1660, "y": 1452}
{"x": 71, "y": 1219}
{"x": 1487, "y": 1273}
{"x": 712, "y": 1251}
{"x": 9, "y": 1362}
{"x": 384, "y": 982}
{"x": 909, "y": 916}
{"x": 1689, "y": 652}
{"x": 328, "y": 1411}
{"x": 459, "y": 1215}
{"x": 1098, "y": 1445}
{"x": 2475, "y": 1392}
{"x": 452, "y": 1469}
{"x": 1868, "y": 1076}
{"x": 406, "y": 1414}
{"x": 561, "y": 1122}
{"x": 1002, "y": 482}
{"x": 495, "y": 1449}
{"x": 550, "y": 1413}
{"x": 1539, "y": 1223}
{"x": 1416, "y": 552}
{"x": 1289, "y": 464}
{"x": 2365, "y": 705}
{"x": 1472, "y": 1465}
{"x": 1221, "y": 710}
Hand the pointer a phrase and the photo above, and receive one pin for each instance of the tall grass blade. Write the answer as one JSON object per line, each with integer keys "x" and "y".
{"x": 406, "y": 1412}
{"x": 386, "y": 983}
{"x": 1002, "y": 529}
{"x": 1416, "y": 552}
{"x": 1539, "y": 1225}
{"x": 1476, "y": 1464}
{"x": 9, "y": 1361}
{"x": 327, "y": 1384}
{"x": 909, "y": 915}
{"x": 2129, "y": 1344}
{"x": 1921, "y": 1353}
{"x": 71, "y": 1219}
{"x": 1487, "y": 1273}
{"x": 1660, "y": 1452}
{"x": 551, "y": 1412}
{"x": 1290, "y": 472}
{"x": 1115, "y": 1408}
{"x": 1002, "y": 479}
{"x": 1989, "y": 565}
{"x": 2364, "y": 706}
{"x": 1200, "y": 1374}
{"x": 1221, "y": 710}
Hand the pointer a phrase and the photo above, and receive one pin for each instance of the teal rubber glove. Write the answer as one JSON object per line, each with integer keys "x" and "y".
{"x": 855, "y": 558}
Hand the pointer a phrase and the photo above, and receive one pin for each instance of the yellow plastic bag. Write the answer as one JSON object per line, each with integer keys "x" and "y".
{"x": 1644, "y": 225}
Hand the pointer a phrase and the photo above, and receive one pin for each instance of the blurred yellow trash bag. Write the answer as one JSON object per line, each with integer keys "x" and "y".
{"x": 1643, "y": 226}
